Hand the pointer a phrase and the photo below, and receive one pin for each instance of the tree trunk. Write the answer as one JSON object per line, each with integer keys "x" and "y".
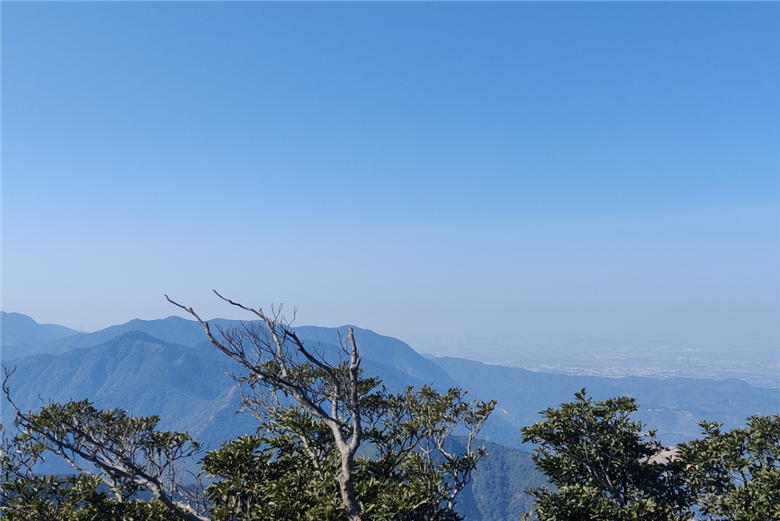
{"x": 346, "y": 479}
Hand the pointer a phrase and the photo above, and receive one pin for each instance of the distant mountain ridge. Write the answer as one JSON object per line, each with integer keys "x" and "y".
{"x": 136, "y": 370}
{"x": 23, "y": 336}
{"x": 168, "y": 358}
{"x": 172, "y": 329}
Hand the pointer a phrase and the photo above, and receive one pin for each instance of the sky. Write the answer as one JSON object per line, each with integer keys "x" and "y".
{"x": 438, "y": 172}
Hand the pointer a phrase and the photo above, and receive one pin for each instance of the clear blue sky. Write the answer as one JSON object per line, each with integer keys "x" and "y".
{"x": 435, "y": 172}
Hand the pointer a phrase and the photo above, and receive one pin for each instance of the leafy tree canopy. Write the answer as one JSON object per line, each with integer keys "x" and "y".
{"x": 737, "y": 473}
{"x": 604, "y": 466}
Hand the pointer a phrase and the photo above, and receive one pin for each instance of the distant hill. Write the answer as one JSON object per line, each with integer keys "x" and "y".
{"x": 172, "y": 329}
{"x": 21, "y": 336}
{"x": 145, "y": 375}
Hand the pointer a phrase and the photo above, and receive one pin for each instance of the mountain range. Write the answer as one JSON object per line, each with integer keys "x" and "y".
{"x": 168, "y": 368}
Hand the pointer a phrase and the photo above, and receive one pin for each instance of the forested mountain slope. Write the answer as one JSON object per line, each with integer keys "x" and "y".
{"x": 189, "y": 387}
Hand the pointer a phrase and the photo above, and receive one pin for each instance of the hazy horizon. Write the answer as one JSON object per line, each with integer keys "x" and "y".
{"x": 441, "y": 173}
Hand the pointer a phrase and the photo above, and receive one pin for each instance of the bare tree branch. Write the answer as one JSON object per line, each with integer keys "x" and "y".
{"x": 312, "y": 382}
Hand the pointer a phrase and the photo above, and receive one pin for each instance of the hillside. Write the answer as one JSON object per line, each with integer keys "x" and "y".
{"x": 670, "y": 405}
{"x": 497, "y": 489}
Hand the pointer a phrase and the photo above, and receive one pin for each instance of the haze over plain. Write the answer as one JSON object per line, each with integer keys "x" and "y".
{"x": 441, "y": 173}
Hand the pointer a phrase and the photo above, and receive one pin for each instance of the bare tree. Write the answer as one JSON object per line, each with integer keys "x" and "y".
{"x": 125, "y": 452}
{"x": 275, "y": 356}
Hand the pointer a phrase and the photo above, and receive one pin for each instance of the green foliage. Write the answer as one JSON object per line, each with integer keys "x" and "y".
{"x": 600, "y": 463}
{"x": 55, "y": 498}
{"x": 48, "y": 497}
{"x": 603, "y": 465}
{"x": 26, "y": 496}
{"x": 119, "y": 445}
{"x": 268, "y": 479}
{"x": 737, "y": 473}
{"x": 118, "y": 457}
{"x": 419, "y": 467}
{"x": 289, "y": 472}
